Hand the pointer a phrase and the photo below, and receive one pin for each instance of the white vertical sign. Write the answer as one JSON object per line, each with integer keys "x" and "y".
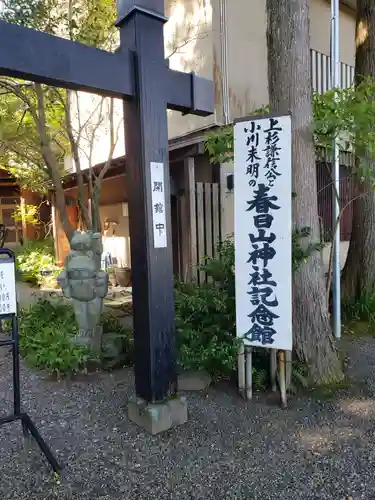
{"x": 159, "y": 220}
{"x": 263, "y": 231}
{"x": 8, "y": 298}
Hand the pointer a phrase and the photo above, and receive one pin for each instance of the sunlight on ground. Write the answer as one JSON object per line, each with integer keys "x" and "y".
{"x": 316, "y": 441}
{"x": 359, "y": 408}
{"x": 324, "y": 440}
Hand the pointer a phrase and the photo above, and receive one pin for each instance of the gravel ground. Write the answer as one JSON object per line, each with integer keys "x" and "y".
{"x": 229, "y": 449}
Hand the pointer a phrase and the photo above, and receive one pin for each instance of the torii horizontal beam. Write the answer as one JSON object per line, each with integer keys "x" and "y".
{"x": 32, "y": 55}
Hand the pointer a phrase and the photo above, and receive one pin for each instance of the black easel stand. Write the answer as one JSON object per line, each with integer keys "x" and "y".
{"x": 27, "y": 425}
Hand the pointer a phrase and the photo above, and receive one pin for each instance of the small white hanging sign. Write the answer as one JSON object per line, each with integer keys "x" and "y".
{"x": 8, "y": 297}
{"x": 159, "y": 220}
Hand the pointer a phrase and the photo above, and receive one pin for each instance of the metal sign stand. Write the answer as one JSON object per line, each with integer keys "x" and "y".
{"x": 8, "y": 311}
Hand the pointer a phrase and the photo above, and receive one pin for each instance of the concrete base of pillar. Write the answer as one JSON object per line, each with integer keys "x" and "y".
{"x": 158, "y": 417}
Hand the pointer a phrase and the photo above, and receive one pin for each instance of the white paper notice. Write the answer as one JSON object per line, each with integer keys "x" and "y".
{"x": 158, "y": 205}
{"x": 8, "y": 298}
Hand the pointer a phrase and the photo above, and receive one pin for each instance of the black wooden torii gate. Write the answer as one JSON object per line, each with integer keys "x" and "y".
{"x": 139, "y": 74}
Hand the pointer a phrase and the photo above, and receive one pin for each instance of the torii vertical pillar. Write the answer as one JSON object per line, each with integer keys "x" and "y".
{"x": 137, "y": 73}
{"x": 146, "y": 137}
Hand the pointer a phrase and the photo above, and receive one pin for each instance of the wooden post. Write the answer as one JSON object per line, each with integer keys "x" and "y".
{"x": 200, "y": 230}
{"x": 289, "y": 368}
{"x": 208, "y": 218}
{"x": 29, "y": 231}
{"x": 216, "y": 216}
{"x": 189, "y": 187}
{"x": 241, "y": 370}
{"x": 273, "y": 369}
{"x": 23, "y": 213}
{"x": 282, "y": 379}
{"x": 152, "y": 267}
{"x": 249, "y": 372}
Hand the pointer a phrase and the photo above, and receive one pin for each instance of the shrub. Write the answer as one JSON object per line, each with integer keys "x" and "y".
{"x": 206, "y": 315}
{"x": 206, "y": 321}
{"x": 34, "y": 259}
{"x": 46, "y": 332}
{"x": 205, "y": 337}
{"x": 361, "y": 310}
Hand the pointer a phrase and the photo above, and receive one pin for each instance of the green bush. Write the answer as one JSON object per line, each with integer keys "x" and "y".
{"x": 46, "y": 332}
{"x": 206, "y": 315}
{"x": 205, "y": 324}
{"x": 206, "y": 321}
{"x": 35, "y": 257}
{"x": 361, "y": 310}
{"x": 205, "y": 337}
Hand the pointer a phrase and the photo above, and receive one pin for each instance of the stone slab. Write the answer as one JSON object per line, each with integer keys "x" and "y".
{"x": 159, "y": 417}
{"x": 194, "y": 381}
{"x": 5, "y": 351}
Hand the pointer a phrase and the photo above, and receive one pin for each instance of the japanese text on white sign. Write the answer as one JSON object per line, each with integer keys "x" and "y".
{"x": 8, "y": 298}
{"x": 263, "y": 231}
{"x": 158, "y": 205}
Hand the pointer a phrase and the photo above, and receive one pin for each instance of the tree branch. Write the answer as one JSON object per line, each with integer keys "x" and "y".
{"x": 114, "y": 137}
{"x": 77, "y": 161}
{"x": 190, "y": 28}
{"x": 50, "y": 160}
{"x": 94, "y": 212}
{"x": 335, "y": 229}
{"x": 93, "y": 132}
{"x": 183, "y": 44}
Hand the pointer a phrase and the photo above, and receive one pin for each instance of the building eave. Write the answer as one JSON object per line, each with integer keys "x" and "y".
{"x": 352, "y": 4}
{"x": 118, "y": 165}
{"x": 349, "y": 4}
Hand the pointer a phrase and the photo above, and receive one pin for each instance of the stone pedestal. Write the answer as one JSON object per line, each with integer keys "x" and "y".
{"x": 158, "y": 417}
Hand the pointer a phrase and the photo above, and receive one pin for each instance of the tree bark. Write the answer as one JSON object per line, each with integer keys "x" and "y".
{"x": 74, "y": 144}
{"x": 290, "y": 91}
{"x": 50, "y": 159}
{"x": 359, "y": 271}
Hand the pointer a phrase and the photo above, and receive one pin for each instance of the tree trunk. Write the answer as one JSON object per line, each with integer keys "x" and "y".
{"x": 359, "y": 271}
{"x": 290, "y": 92}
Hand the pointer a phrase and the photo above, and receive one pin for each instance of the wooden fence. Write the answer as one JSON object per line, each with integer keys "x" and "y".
{"x": 325, "y": 195}
{"x": 321, "y": 82}
{"x": 321, "y": 72}
{"x": 208, "y": 210}
{"x": 207, "y": 222}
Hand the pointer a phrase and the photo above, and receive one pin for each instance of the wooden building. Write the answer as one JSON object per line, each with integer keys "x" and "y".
{"x": 13, "y": 196}
{"x": 195, "y": 208}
